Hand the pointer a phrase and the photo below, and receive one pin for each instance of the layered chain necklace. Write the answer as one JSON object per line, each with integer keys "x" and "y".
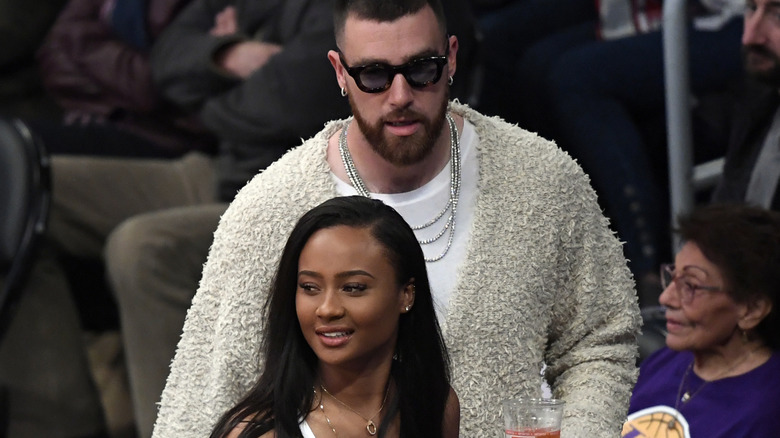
{"x": 685, "y": 397}
{"x": 452, "y": 203}
{"x": 370, "y": 425}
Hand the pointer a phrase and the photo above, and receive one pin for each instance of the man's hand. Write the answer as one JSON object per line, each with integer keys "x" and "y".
{"x": 225, "y": 23}
{"x": 243, "y": 58}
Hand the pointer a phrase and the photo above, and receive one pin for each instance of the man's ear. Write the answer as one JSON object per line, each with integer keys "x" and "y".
{"x": 341, "y": 73}
{"x": 452, "y": 55}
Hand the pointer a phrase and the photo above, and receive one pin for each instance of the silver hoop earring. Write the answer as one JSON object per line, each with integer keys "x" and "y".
{"x": 450, "y": 81}
{"x": 343, "y": 92}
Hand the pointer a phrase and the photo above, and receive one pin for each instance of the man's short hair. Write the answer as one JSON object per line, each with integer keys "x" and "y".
{"x": 382, "y": 11}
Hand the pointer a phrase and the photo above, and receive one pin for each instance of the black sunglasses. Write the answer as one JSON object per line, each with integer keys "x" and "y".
{"x": 376, "y": 78}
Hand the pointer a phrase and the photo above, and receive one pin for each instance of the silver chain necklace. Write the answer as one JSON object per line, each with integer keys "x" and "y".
{"x": 452, "y": 203}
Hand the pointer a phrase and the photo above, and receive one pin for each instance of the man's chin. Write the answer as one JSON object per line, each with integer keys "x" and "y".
{"x": 764, "y": 69}
{"x": 405, "y": 151}
{"x": 770, "y": 77}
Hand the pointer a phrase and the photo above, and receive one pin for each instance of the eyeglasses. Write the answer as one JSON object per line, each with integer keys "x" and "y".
{"x": 685, "y": 288}
{"x": 376, "y": 78}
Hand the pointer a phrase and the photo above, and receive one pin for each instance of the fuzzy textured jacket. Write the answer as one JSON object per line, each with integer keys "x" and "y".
{"x": 544, "y": 281}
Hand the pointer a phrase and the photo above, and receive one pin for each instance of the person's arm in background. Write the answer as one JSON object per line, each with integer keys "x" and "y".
{"x": 184, "y": 57}
{"x": 288, "y": 94}
{"x": 241, "y": 58}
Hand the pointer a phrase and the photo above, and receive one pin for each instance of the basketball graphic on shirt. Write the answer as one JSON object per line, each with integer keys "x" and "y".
{"x": 656, "y": 422}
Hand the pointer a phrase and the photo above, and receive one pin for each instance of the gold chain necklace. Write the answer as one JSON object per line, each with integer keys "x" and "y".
{"x": 370, "y": 425}
{"x": 322, "y": 408}
{"x": 683, "y": 398}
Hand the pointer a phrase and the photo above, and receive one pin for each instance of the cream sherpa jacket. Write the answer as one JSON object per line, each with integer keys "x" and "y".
{"x": 544, "y": 280}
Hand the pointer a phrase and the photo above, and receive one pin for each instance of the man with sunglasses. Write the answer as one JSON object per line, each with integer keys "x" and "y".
{"x": 523, "y": 267}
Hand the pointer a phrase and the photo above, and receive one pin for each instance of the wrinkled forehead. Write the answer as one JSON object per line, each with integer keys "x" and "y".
{"x": 394, "y": 41}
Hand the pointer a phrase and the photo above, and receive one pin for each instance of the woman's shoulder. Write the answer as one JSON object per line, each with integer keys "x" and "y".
{"x": 769, "y": 372}
{"x": 451, "y": 426}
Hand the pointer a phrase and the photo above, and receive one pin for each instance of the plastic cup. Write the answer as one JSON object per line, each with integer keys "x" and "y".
{"x": 532, "y": 418}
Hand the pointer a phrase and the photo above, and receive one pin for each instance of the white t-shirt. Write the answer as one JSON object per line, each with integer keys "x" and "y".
{"x": 423, "y": 204}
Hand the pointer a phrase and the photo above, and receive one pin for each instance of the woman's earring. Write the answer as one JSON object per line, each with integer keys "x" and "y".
{"x": 408, "y": 308}
{"x": 450, "y": 81}
{"x": 344, "y": 92}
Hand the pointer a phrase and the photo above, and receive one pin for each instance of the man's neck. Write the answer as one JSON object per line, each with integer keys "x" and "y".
{"x": 379, "y": 175}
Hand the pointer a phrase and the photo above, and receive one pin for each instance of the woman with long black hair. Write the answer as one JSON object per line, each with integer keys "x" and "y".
{"x": 351, "y": 342}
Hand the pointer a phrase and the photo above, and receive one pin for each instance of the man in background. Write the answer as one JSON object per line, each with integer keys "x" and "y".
{"x": 752, "y": 167}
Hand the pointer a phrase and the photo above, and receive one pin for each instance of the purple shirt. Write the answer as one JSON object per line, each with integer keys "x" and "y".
{"x": 742, "y": 406}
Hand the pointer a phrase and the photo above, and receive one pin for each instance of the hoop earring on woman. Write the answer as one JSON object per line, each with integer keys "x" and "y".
{"x": 343, "y": 92}
{"x": 450, "y": 81}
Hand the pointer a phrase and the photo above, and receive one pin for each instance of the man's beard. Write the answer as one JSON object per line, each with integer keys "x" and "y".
{"x": 402, "y": 151}
{"x": 769, "y": 76}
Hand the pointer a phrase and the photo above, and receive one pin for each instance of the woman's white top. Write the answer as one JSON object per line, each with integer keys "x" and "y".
{"x": 306, "y": 430}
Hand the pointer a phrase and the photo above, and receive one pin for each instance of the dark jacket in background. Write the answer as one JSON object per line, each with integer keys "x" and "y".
{"x": 259, "y": 118}
{"x": 753, "y": 116}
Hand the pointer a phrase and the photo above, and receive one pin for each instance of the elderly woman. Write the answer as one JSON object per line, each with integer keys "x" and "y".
{"x": 719, "y": 374}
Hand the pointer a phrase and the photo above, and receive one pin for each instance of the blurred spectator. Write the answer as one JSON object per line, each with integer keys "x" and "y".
{"x": 591, "y": 87}
{"x": 94, "y": 62}
{"x": 752, "y": 165}
{"x": 23, "y": 25}
{"x": 508, "y": 29}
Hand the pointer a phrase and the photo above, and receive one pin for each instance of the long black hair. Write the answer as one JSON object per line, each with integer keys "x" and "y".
{"x": 421, "y": 373}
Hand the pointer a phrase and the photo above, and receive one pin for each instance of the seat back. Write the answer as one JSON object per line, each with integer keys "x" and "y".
{"x": 25, "y": 191}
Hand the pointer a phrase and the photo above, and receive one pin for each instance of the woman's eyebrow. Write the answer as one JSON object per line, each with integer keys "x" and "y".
{"x": 696, "y": 269}
{"x": 344, "y": 274}
{"x": 354, "y": 272}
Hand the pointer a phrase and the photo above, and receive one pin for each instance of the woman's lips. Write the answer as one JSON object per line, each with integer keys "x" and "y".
{"x": 673, "y": 325}
{"x": 334, "y": 338}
